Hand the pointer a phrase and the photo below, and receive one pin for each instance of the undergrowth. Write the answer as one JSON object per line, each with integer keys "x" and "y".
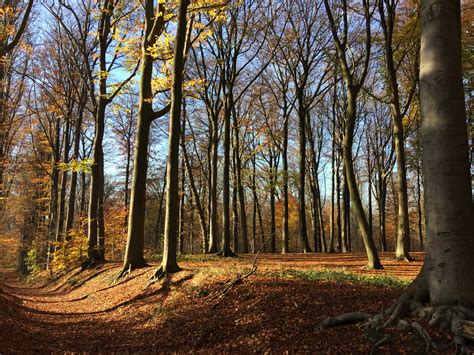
{"x": 340, "y": 276}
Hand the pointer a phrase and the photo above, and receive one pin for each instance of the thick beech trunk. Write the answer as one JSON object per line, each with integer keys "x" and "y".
{"x": 134, "y": 257}
{"x": 449, "y": 261}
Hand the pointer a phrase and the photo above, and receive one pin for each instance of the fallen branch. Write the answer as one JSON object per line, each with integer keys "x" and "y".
{"x": 238, "y": 279}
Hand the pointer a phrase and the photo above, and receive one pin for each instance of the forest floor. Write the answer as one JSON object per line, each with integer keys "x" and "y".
{"x": 275, "y": 310}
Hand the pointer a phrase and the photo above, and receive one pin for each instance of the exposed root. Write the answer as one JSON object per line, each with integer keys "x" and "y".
{"x": 124, "y": 272}
{"x": 425, "y": 336}
{"x": 406, "y": 258}
{"x": 127, "y": 269}
{"x": 346, "y": 318}
{"x": 162, "y": 272}
{"x": 459, "y": 320}
{"x": 385, "y": 339}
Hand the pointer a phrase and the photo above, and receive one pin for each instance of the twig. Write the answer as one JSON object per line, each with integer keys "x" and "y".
{"x": 239, "y": 278}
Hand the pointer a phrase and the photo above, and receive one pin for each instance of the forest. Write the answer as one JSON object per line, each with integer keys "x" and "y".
{"x": 237, "y": 176}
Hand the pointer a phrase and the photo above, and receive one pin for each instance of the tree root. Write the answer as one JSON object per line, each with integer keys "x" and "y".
{"x": 127, "y": 269}
{"x": 459, "y": 320}
{"x": 405, "y": 258}
{"x": 346, "y": 318}
{"x": 238, "y": 279}
{"x": 124, "y": 272}
{"x": 385, "y": 339}
{"x": 162, "y": 272}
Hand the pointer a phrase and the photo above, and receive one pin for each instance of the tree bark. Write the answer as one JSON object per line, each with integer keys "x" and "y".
{"x": 302, "y": 226}
{"x": 285, "y": 230}
{"x": 448, "y": 198}
{"x": 225, "y": 242}
{"x": 373, "y": 259}
{"x": 75, "y": 156}
{"x": 169, "y": 263}
{"x": 387, "y": 15}
{"x": 62, "y": 196}
{"x": 419, "y": 208}
{"x": 240, "y": 187}
{"x": 213, "y": 247}
{"x": 134, "y": 258}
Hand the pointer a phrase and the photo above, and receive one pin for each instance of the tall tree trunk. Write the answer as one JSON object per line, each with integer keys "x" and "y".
{"x": 272, "y": 182}
{"x": 353, "y": 86}
{"x": 382, "y": 204}
{"x": 446, "y": 278}
{"x": 95, "y": 216}
{"x": 126, "y": 186}
{"x": 313, "y": 182}
{"x": 100, "y": 213}
{"x": 182, "y": 201}
{"x": 346, "y": 219}
{"x": 240, "y": 186}
{"x": 169, "y": 263}
{"x": 369, "y": 187}
{"x": 235, "y": 212}
{"x": 134, "y": 257}
{"x": 254, "y": 209}
{"x": 195, "y": 199}
{"x": 387, "y": 15}
{"x": 315, "y": 217}
{"x": 257, "y": 211}
{"x": 302, "y": 226}
{"x": 225, "y": 242}
{"x": 213, "y": 247}
{"x": 373, "y": 258}
{"x": 158, "y": 228}
{"x": 447, "y": 187}
{"x": 338, "y": 200}
{"x": 332, "y": 215}
{"x": 419, "y": 208}
{"x": 285, "y": 230}
{"x": 75, "y": 156}
{"x": 322, "y": 234}
{"x": 62, "y": 196}
{"x": 53, "y": 194}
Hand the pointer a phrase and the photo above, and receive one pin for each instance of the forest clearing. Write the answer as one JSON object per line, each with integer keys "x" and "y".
{"x": 275, "y": 310}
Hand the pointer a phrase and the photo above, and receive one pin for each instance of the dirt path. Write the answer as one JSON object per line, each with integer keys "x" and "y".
{"x": 82, "y": 311}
